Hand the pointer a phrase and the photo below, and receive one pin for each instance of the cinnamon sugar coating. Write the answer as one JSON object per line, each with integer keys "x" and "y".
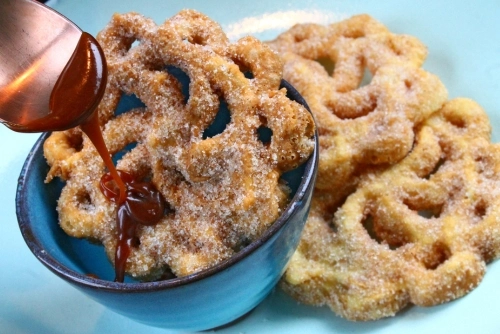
{"x": 224, "y": 189}
{"x": 419, "y": 232}
{"x": 406, "y": 205}
{"x": 361, "y": 125}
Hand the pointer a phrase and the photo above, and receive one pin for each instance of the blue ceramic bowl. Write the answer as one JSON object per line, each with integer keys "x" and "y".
{"x": 200, "y": 301}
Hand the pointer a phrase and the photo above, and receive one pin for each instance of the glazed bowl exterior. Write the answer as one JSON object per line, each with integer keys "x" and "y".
{"x": 204, "y": 300}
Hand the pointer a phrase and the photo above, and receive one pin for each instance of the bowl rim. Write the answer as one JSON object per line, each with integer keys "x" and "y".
{"x": 305, "y": 185}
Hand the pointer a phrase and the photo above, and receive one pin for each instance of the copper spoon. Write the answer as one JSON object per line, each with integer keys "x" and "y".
{"x": 36, "y": 44}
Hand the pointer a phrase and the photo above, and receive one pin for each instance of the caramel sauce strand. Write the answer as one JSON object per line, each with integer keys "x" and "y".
{"x": 138, "y": 202}
{"x": 143, "y": 205}
{"x": 126, "y": 239}
{"x": 91, "y": 128}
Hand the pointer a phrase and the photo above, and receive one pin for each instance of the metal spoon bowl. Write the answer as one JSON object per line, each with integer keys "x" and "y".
{"x": 36, "y": 44}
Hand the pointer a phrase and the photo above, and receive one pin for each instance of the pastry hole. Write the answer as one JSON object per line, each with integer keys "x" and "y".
{"x": 439, "y": 255}
{"x": 119, "y": 155}
{"x": 428, "y": 211}
{"x": 167, "y": 274}
{"x": 456, "y": 120}
{"x": 135, "y": 242}
{"x": 135, "y": 44}
{"x": 327, "y": 63}
{"x": 379, "y": 235}
{"x": 220, "y": 122}
{"x": 129, "y": 43}
{"x": 329, "y": 211}
{"x": 333, "y": 226}
{"x": 480, "y": 210}
{"x": 347, "y": 111}
{"x": 84, "y": 201}
{"x": 369, "y": 226}
{"x": 196, "y": 39}
{"x": 438, "y": 165}
{"x": 75, "y": 141}
{"x": 290, "y": 180}
{"x": 244, "y": 68}
{"x": 248, "y": 75}
{"x": 168, "y": 210}
{"x": 366, "y": 79}
{"x": 127, "y": 103}
{"x": 264, "y": 134}
{"x": 242, "y": 242}
{"x": 299, "y": 38}
{"x": 408, "y": 84}
{"x": 182, "y": 78}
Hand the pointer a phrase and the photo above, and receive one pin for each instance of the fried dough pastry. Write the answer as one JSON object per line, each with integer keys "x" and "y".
{"x": 361, "y": 125}
{"x": 224, "y": 189}
{"x": 419, "y": 232}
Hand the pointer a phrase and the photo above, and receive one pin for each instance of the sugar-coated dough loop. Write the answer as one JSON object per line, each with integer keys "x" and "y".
{"x": 405, "y": 209}
{"x": 265, "y": 72}
{"x": 420, "y": 231}
{"x": 361, "y": 124}
{"x": 223, "y": 189}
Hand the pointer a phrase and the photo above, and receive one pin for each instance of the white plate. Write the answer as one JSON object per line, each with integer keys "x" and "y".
{"x": 463, "y": 38}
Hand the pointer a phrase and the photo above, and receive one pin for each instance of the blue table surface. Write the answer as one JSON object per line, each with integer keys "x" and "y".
{"x": 463, "y": 38}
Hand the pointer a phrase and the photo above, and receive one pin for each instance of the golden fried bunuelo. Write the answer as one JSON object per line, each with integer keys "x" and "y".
{"x": 224, "y": 190}
{"x": 418, "y": 232}
{"x": 360, "y": 125}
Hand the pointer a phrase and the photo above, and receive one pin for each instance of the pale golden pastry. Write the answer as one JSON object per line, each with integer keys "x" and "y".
{"x": 419, "y": 232}
{"x": 361, "y": 124}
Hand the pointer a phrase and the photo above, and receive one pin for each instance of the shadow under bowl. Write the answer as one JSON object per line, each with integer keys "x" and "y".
{"x": 203, "y": 300}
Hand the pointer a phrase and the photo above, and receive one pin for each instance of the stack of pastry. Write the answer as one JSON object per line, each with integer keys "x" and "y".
{"x": 407, "y": 203}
